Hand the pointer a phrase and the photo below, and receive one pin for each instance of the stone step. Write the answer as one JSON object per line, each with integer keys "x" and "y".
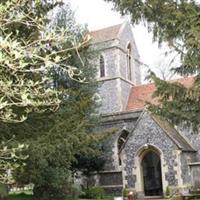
{"x": 153, "y": 198}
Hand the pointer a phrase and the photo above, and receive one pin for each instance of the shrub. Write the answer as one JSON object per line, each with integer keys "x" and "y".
{"x": 3, "y": 192}
{"x": 177, "y": 196}
{"x": 194, "y": 197}
{"x": 167, "y": 191}
{"x": 75, "y": 191}
{"x": 49, "y": 192}
{"x": 125, "y": 192}
{"x": 95, "y": 193}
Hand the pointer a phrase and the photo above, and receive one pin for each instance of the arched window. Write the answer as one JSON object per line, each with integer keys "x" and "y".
{"x": 129, "y": 62}
{"x": 102, "y": 66}
{"x": 121, "y": 140}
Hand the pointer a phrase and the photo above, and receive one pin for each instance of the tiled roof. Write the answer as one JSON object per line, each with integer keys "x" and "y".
{"x": 141, "y": 94}
{"x": 105, "y": 34}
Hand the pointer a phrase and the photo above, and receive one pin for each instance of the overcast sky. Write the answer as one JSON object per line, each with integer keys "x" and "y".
{"x": 99, "y": 14}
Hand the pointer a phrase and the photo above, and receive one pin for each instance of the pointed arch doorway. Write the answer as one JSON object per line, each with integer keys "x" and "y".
{"x": 151, "y": 171}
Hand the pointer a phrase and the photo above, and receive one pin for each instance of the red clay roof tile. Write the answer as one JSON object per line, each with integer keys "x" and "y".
{"x": 141, "y": 94}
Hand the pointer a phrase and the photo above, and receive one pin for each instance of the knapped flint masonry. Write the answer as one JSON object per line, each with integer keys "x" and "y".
{"x": 147, "y": 154}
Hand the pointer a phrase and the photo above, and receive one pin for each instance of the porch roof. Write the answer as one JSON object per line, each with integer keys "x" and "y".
{"x": 178, "y": 138}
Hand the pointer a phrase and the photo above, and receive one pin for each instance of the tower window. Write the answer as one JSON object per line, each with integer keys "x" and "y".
{"x": 102, "y": 66}
{"x": 129, "y": 62}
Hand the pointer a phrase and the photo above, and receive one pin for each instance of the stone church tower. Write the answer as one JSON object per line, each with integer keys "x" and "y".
{"x": 118, "y": 65}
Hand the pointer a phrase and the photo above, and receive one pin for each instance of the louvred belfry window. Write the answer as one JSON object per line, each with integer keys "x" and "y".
{"x": 129, "y": 62}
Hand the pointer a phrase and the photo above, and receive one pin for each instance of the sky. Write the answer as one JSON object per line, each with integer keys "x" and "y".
{"x": 98, "y": 14}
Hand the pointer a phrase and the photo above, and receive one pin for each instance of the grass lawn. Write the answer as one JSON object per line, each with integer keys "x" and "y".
{"x": 29, "y": 196}
{"x": 22, "y": 196}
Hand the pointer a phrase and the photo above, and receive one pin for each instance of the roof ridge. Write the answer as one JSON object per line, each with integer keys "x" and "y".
{"x": 101, "y": 29}
{"x": 173, "y": 80}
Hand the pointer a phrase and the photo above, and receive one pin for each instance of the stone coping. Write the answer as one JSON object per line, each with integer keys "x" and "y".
{"x": 111, "y": 186}
{"x": 194, "y": 164}
{"x": 121, "y": 115}
{"x": 106, "y": 172}
{"x": 103, "y": 79}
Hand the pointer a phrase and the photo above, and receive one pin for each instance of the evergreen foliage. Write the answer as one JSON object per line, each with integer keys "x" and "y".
{"x": 56, "y": 140}
{"x": 28, "y": 54}
{"x": 176, "y": 22}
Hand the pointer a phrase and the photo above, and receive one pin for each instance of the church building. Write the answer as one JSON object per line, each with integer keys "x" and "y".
{"x": 147, "y": 154}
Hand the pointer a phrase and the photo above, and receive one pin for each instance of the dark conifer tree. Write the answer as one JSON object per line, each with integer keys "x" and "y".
{"x": 57, "y": 140}
{"x": 176, "y": 22}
